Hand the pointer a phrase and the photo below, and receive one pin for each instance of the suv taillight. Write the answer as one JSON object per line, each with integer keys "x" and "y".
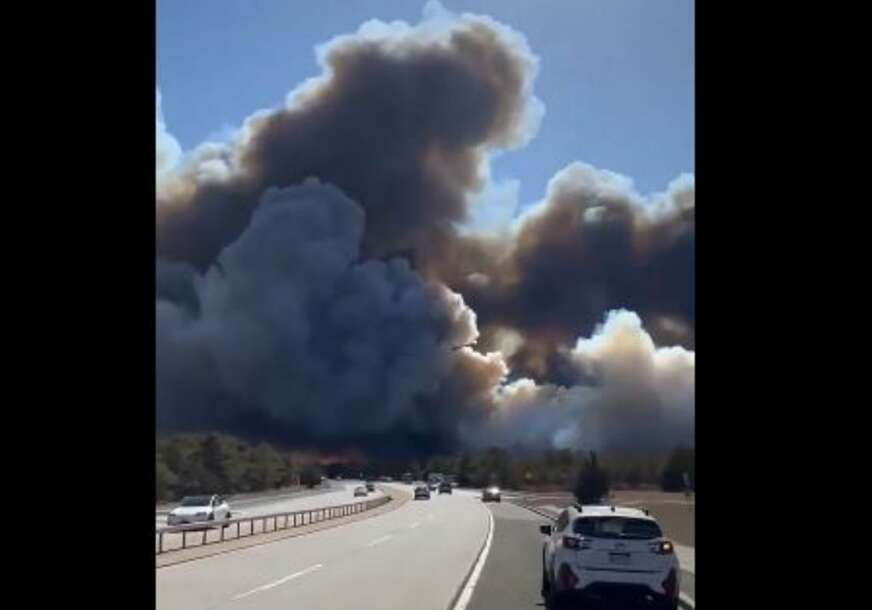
{"x": 663, "y": 547}
{"x": 576, "y": 544}
{"x": 670, "y": 585}
{"x": 566, "y": 577}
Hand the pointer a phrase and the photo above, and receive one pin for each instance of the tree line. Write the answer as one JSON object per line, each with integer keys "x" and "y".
{"x": 189, "y": 464}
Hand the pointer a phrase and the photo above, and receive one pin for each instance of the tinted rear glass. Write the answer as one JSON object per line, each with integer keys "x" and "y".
{"x": 617, "y": 527}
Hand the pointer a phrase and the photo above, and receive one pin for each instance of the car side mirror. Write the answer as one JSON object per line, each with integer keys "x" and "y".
{"x": 545, "y": 529}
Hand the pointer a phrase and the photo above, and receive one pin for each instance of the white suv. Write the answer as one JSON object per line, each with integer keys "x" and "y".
{"x": 608, "y": 553}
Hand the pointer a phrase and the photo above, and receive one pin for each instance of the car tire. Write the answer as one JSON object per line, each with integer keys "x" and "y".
{"x": 546, "y": 587}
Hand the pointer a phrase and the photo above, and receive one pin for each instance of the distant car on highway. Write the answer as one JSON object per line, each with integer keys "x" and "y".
{"x": 197, "y": 509}
{"x": 595, "y": 553}
{"x": 491, "y": 494}
{"x": 359, "y": 491}
{"x": 444, "y": 487}
{"x": 370, "y": 486}
{"x": 422, "y": 492}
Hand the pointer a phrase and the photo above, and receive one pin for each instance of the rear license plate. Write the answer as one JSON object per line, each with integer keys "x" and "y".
{"x": 620, "y": 559}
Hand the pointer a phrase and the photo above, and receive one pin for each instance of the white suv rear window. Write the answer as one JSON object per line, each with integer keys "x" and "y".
{"x": 617, "y": 527}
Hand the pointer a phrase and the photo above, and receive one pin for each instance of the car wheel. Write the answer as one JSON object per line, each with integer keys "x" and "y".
{"x": 546, "y": 586}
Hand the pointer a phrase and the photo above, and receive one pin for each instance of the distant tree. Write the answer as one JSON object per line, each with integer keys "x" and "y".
{"x": 311, "y": 475}
{"x": 681, "y": 460}
{"x": 165, "y": 480}
{"x": 592, "y": 483}
{"x": 266, "y": 468}
{"x": 213, "y": 459}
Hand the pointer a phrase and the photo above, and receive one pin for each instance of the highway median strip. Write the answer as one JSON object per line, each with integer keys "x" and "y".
{"x": 395, "y": 499}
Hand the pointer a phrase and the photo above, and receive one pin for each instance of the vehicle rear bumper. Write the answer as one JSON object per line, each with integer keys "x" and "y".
{"x": 611, "y": 595}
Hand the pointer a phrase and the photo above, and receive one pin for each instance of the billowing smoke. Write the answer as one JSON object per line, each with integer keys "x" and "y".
{"x": 629, "y": 394}
{"x": 291, "y": 331}
{"x": 593, "y": 244}
{"x": 318, "y": 284}
{"x": 401, "y": 119}
{"x": 167, "y": 149}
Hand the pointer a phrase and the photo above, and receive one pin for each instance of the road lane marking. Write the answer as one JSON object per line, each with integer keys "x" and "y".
{"x": 280, "y": 581}
{"x": 686, "y": 557}
{"x": 689, "y": 602}
{"x": 466, "y": 596}
{"x": 380, "y": 540}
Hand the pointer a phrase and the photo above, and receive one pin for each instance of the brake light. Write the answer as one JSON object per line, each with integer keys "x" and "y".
{"x": 576, "y": 544}
{"x": 664, "y": 547}
{"x": 566, "y": 577}
{"x": 670, "y": 585}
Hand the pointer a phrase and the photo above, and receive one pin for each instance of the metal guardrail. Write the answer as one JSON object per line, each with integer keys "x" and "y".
{"x": 280, "y": 521}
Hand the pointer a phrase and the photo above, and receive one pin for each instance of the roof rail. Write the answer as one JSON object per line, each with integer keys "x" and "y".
{"x": 578, "y": 506}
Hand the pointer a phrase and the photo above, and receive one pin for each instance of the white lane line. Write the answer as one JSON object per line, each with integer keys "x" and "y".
{"x": 466, "y": 596}
{"x": 686, "y": 557}
{"x": 280, "y": 581}
{"x": 380, "y": 540}
{"x": 415, "y": 524}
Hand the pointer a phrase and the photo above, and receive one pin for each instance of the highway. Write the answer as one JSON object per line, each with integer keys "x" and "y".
{"x": 417, "y": 556}
{"x": 414, "y": 557}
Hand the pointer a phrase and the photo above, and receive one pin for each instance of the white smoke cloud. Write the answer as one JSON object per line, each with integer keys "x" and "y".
{"x": 167, "y": 148}
{"x": 630, "y": 394}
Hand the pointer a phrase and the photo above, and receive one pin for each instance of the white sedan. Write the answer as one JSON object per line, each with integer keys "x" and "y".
{"x": 199, "y": 509}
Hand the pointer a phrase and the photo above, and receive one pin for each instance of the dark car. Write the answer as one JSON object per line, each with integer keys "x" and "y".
{"x": 491, "y": 494}
{"x": 445, "y": 487}
{"x": 370, "y": 486}
{"x": 422, "y": 492}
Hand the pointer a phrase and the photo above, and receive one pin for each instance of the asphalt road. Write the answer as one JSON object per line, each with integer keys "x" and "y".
{"x": 414, "y": 557}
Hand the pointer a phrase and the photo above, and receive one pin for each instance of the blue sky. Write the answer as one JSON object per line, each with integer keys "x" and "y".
{"x": 616, "y": 76}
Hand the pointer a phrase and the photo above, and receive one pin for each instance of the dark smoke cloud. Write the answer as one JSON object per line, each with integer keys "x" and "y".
{"x": 290, "y": 330}
{"x": 401, "y": 120}
{"x": 592, "y": 245}
{"x": 332, "y": 318}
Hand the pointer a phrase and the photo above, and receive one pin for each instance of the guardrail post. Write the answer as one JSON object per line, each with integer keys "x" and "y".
{"x": 160, "y": 543}
{"x": 205, "y": 531}
{"x": 184, "y": 532}
{"x": 222, "y": 532}
{"x": 237, "y": 528}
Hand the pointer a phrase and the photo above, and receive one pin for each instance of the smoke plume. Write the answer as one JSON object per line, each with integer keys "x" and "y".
{"x": 319, "y": 285}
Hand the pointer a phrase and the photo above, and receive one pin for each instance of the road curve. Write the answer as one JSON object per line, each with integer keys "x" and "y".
{"x": 414, "y": 557}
